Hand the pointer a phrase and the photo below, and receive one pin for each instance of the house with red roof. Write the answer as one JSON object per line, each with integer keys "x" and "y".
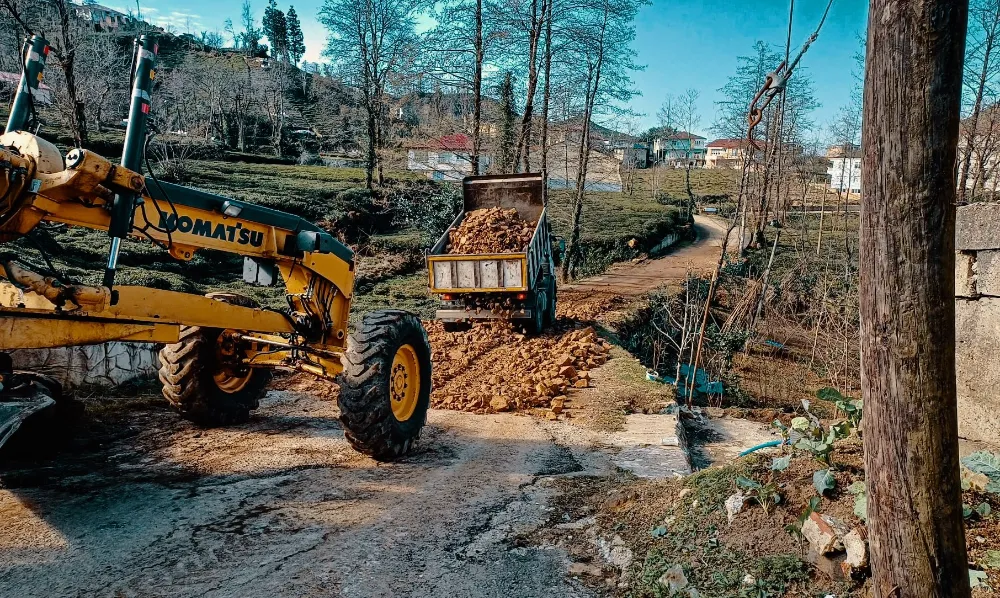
{"x": 444, "y": 158}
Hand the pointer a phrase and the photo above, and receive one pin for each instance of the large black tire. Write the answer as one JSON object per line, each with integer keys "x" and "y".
{"x": 550, "y": 315}
{"x": 370, "y": 384}
{"x": 188, "y": 373}
{"x": 539, "y": 312}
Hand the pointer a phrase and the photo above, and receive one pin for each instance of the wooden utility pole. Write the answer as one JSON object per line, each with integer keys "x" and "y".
{"x": 913, "y": 83}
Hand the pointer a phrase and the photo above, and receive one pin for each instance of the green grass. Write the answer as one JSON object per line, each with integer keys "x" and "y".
{"x": 407, "y": 292}
{"x": 670, "y": 182}
{"x": 609, "y": 222}
{"x": 691, "y": 529}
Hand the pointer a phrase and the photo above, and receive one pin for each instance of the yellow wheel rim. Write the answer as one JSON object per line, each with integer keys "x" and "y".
{"x": 404, "y": 383}
{"x": 231, "y": 382}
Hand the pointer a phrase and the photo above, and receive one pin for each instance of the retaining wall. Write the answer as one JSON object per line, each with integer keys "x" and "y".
{"x": 107, "y": 365}
{"x": 977, "y": 318}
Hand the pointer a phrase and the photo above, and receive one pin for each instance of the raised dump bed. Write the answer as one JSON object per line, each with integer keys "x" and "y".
{"x": 503, "y": 278}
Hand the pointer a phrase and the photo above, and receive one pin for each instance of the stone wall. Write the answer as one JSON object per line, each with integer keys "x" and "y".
{"x": 108, "y": 365}
{"x": 977, "y": 317}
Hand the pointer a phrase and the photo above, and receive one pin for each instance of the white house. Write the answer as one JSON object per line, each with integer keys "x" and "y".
{"x": 845, "y": 168}
{"x": 445, "y": 158}
{"x": 680, "y": 149}
{"x": 635, "y": 155}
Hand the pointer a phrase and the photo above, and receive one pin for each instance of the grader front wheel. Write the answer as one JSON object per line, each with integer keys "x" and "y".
{"x": 202, "y": 389}
{"x": 385, "y": 389}
{"x": 200, "y": 386}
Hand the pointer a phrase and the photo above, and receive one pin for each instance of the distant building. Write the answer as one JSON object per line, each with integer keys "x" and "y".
{"x": 845, "y": 168}
{"x": 102, "y": 18}
{"x": 445, "y": 158}
{"x": 635, "y": 155}
{"x": 680, "y": 149}
{"x": 726, "y": 153}
{"x": 8, "y": 88}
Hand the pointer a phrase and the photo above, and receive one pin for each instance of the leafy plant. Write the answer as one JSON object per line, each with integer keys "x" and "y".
{"x": 829, "y": 394}
{"x": 814, "y": 438}
{"x": 781, "y": 463}
{"x": 853, "y": 410}
{"x": 824, "y": 481}
{"x": 978, "y": 579}
{"x": 766, "y": 495}
{"x": 988, "y": 464}
{"x": 991, "y": 560}
{"x": 860, "y": 493}
{"x": 784, "y": 430}
{"x": 983, "y": 510}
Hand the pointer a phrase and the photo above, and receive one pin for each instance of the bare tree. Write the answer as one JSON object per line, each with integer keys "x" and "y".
{"x": 907, "y": 299}
{"x": 370, "y": 44}
{"x": 453, "y": 55}
{"x": 57, "y": 19}
{"x": 603, "y": 32}
{"x": 981, "y": 70}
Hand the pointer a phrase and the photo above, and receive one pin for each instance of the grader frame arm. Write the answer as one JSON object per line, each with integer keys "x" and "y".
{"x": 219, "y": 347}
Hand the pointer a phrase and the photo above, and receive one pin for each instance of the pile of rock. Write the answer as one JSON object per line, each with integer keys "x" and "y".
{"x": 492, "y": 230}
{"x": 491, "y": 368}
{"x": 839, "y": 551}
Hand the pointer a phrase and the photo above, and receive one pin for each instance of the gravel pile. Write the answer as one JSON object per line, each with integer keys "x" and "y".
{"x": 492, "y": 230}
{"x": 492, "y": 368}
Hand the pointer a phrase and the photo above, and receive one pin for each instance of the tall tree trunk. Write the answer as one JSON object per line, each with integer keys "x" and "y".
{"x": 546, "y": 91}
{"x": 372, "y": 141}
{"x": 590, "y": 98}
{"x": 913, "y": 84}
{"x": 477, "y": 90}
{"x": 581, "y": 182}
{"x": 524, "y": 137}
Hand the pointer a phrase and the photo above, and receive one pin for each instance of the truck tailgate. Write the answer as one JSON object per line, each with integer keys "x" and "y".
{"x": 478, "y": 273}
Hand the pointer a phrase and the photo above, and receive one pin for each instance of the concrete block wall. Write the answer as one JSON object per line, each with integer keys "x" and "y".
{"x": 108, "y": 365}
{"x": 977, "y": 318}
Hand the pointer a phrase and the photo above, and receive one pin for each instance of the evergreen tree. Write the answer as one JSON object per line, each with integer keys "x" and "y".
{"x": 508, "y": 116}
{"x": 296, "y": 41}
{"x": 276, "y": 29}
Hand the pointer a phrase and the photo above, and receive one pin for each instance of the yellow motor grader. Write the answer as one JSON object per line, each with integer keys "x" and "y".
{"x": 218, "y": 350}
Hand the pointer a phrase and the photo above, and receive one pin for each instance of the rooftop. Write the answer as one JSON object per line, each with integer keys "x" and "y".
{"x": 456, "y": 142}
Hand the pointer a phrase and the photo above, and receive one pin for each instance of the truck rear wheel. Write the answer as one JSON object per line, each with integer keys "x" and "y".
{"x": 551, "y": 311}
{"x": 202, "y": 388}
{"x": 385, "y": 389}
{"x": 539, "y": 312}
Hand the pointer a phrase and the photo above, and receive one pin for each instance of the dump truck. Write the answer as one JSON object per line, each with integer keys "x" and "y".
{"x": 514, "y": 285}
{"x": 218, "y": 350}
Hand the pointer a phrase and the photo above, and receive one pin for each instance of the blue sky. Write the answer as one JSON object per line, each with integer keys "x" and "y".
{"x": 684, "y": 44}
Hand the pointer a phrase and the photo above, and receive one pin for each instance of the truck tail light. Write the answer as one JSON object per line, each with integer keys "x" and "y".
{"x": 447, "y": 296}
{"x": 522, "y": 296}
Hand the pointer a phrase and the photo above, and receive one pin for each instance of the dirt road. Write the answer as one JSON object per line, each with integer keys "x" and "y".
{"x": 283, "y": 506}
{"x": 637, "y": 279}
{"x": 140, "y": 503}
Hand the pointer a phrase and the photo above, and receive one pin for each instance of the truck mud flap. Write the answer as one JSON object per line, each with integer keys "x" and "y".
{"x": 456, "y": 315}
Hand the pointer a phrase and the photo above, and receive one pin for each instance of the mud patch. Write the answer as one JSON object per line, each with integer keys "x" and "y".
{"x": 557, "y": 460}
